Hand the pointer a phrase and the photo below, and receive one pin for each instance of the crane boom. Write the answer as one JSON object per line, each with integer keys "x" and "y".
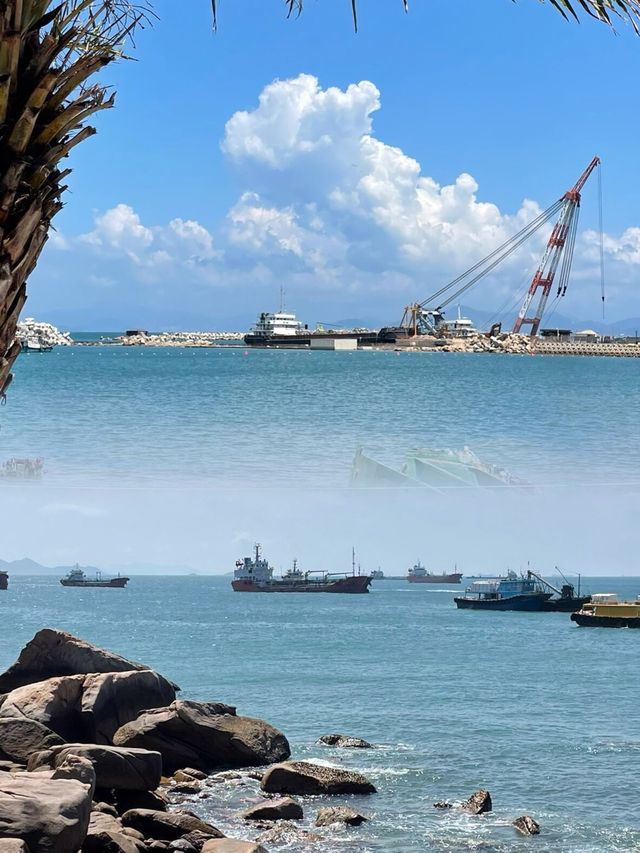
{"x": 561, "y": 242}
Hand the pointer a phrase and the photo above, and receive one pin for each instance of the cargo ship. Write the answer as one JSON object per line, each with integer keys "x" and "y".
{"x": 605, "y": 611}
{"x": 77, "y": 577}
{"x": 418, "y": 574}
{"x": 509, "y": 593}
{"x": 254, "y": 574}
{"x": 4, "y": 580}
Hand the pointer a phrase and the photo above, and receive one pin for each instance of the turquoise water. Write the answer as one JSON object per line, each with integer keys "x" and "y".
{"x": 221, "y": 415}
{"x": 178, "y": 460}
{"x": 539, "y": 711}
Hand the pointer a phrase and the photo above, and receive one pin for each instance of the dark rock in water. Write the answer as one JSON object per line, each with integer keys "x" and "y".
{"x": 478, "y": 803}
{"x": 302, "y": 777}
{"x": 13, "y": 845}
{"x": 52, "y": 653}
{"x": 443, "y": 805}
{"x": 107, "y": 835}
{"x": 344, "y": 741}
{"x": 339, "y": 814}
{"x": 186, "y": 788}
{"x": 115, "y": 767}
{"x": 231, "y": 845}
{"x": 282, "y": 809}
{"x": 167, "y": 826}
{"x": 205, "y": 736}
{"x": 20, "y": 737}
{"x": 48, "y": 814}
{"x": 126, "y": 800}
{"x": 527, "y": 825}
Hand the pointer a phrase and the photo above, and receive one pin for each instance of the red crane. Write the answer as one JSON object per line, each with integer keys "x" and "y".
{"x": 559, "y": 248}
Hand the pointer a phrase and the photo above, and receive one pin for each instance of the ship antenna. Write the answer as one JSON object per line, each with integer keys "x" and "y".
{"x": 353, "y": 560}
{"x": 281, "y": 298}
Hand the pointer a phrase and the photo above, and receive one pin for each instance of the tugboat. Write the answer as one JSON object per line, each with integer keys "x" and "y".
{"x": 4, "y": 580}
{"x": 605, "y": 611}
{"x": 254, "y": 574}
{"x": 418, "y": 574}
{"x": 77, "y": 577}
{"x": 510, "y": 593}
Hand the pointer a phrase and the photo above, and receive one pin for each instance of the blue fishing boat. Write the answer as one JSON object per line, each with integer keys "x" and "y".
{"x": 508, "y": 593}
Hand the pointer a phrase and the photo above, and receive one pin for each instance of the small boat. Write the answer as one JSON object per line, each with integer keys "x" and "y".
{"x": 418, "y": 574}
{"x": 254, "y": 574}
{"x": 77, "y": 577}
{"x": 509, "y": 593}
{"x": 35, "y": 345}
{"x": 4, "y": 580}
{"x": 605, "y": 611}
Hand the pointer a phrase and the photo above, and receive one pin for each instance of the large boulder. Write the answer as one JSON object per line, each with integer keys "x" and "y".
{"x": 54, "y": 703}
{"x": 13, "y": 845}
{"x": 20, "y": 737}
{"x": 84, "y": 707}
{"x": 339, "y": 814}
{"x": 167, "y": 826}
{"x": 205, "y": 736}
{"x": 344, "y": 741}
{"x": 115, "y": 767}
{"x": 110, "y": 700}
{"x": 52, "y": 653}
{"x": 281, "y": 809}
{"x": 302, "y": 777}
{"x": 106, "y": 835}
{"x": 49, "y": 815}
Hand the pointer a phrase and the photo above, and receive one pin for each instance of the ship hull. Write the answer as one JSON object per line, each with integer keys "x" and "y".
{"x": 302, "y": 339}
{"x": 115, "y": 583}
{"x": 565, "y": 605}
{"x": 525, "y": 602}
{"x": 354, "y": 584}
{"x": 588, "y": 620}
{"x": 453, "y": 578}
{"x": 4, "y": 580}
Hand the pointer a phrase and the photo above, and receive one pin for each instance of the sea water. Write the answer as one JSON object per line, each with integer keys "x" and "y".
{"x": 183, "y": 458}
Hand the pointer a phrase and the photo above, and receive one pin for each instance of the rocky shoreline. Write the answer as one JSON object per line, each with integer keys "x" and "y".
{"x": 98, "y": 755}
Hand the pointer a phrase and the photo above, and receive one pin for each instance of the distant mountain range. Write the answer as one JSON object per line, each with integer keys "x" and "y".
{"x": 26, "y": 566}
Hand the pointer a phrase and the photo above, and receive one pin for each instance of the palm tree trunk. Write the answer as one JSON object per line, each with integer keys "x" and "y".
{"x": 48, "y": 55}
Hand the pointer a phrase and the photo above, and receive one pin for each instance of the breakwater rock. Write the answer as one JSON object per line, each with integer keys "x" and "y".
{"x": 44, "y": 333}
{"x": 178, "y": 339}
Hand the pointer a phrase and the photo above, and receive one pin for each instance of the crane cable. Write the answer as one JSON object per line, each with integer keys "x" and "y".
{"x": 502, "y": 251}
{"x": 600, "y": 228}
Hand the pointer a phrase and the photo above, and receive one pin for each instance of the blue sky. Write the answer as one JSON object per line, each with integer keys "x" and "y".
{"x": 163, "y": 228}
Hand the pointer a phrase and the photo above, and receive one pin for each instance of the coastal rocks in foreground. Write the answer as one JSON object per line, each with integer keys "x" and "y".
{"x": 302, "y": 777}
{"x": 50, "y": 815}
{"x": 106, "y": 834}
{"x": 115, "y": 767}
{"x": 282, "y": 809}
{"x": 52, "y": 652}
{"x": 344, "y": 741}
{"x": 478, "y": 803}
{"x": 339, "y": 814}
{"x": 13, "y": 845}
{"x": 526, "y": 825}
{"x": 167, "y": 826}
{"x": 20, "y": 737}
{"x": 230, "y": 845}
{"x": 204, "y": 736}
{"x": 86, "y": 707}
